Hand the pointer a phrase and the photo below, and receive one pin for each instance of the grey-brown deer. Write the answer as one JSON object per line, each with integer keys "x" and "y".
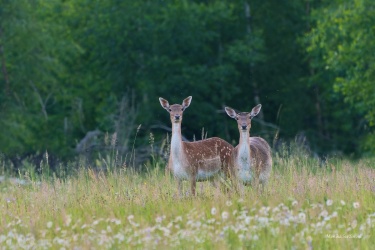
{"x": 251, "y": 158}
{"x": 198, "y": 160}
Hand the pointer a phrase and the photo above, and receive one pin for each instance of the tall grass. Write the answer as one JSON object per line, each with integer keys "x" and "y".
{"x": 307, "y": 204}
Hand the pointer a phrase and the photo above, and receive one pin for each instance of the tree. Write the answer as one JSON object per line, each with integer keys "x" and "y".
{"x": 33, "y": 52}
{"x": 343, "y": 36}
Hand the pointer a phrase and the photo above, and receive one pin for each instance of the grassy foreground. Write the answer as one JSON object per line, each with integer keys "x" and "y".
{"x": 305, "y": 206}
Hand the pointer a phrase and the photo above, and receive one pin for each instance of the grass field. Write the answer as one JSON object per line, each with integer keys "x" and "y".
{"x": 307, "y": 205}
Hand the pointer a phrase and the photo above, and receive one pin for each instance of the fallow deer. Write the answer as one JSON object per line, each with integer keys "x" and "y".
{"x": 198, "y": 160}
{"x": 251, "y": 158}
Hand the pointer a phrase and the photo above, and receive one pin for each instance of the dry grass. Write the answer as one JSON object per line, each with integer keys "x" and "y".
{"x": 305, "y": 206}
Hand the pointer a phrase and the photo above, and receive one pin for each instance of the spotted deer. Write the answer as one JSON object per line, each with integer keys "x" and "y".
{"x": 251, "y": 158}
{"x": 198, "y": 160}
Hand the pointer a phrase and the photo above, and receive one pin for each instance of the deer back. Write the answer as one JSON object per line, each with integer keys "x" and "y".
{"x": 208, "y": 153}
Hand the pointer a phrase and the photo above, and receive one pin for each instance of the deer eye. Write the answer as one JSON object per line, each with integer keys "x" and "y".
{"x": 169, "y": 110}
{"x": 236, "y": 118}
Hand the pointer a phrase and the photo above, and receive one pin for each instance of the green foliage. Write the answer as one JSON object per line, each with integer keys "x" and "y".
{"x": 343, "y": 37}
{"x": 34, "y": 53}
{"x": 69, "y": 67}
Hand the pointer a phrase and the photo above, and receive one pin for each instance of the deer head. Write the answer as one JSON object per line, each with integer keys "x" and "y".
{"x": 175, "y": 110}
{"x": 243, "y": 118}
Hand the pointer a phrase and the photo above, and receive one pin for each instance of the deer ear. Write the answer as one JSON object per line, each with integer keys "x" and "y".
{"x": 186, "y": 102}
{"x": 255, "y": 110}
{"x": 164, "y": 103}
{"x": 230, "y": 112}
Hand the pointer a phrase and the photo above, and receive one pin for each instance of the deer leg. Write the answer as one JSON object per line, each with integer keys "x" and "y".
{"x": 238, "y": 186}
{"x": 193, "y": 185}
{"x": 179, "y": 185}
{"x": 263, "y": 178}
{"x": 167, "y": 171}
{"x": 201, "y": 187}
{"x": 263, "y": 183}
{"x": 241, "y": 189}
{"x": 261, "y": 188}
{"x": 216, "y": 183}
{"x": 257, "y": 184}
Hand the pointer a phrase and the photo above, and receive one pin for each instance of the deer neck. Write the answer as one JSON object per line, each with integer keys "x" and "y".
{"x": 176, "y": 143}
{"x": 244, "y": 159}
{"x": 244, "y": 140}
{"x": 244, "y": 150}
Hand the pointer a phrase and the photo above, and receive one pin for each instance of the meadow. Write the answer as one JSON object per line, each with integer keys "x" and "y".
{"x": 308, "y": 204}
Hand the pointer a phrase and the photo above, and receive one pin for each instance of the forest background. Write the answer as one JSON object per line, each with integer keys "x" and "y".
{"x": 75, "y": 74}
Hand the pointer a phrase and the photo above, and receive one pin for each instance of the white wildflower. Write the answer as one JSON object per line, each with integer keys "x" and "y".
{"x": 275, "y": 209}
{"x": 284, "y": 221}
{"x": 68, "y": 220}
{"x": 213, "y": 211}
{"x": 225, "y": 215}
{"x": 275, "y": 231}
{"x": 119, "y": 237}
{"x": 159, "y": 219}
{"x": 329, "y": 202}
{"x": 294, "y": 203}
{"x": 247, "y": 220}
{"x": 309, "y": 239}
{"x": 229, "y": 203}
{"x": 49, "y": 224}
{"x": 302, "y": 217}
{"x": 356, "y": 205}
{"x": 354, "y": 223}
{"x": 342, "y": 202}
{"x": 368, "y": 221}
{"x": 264, "y": 210}
{"x": 323, "y": 214}
{"x": 263, "y": 221}
{"x": 166, "y": 231}
{"x": 334, "y": 214}
{"x": 131, "y": 217}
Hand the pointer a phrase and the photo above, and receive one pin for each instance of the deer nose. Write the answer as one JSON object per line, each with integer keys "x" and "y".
{"x": 177, "y": 117}
{"x": 244, "y": 127}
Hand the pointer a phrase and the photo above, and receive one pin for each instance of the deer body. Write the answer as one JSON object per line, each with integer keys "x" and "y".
{"x": 251, "y": 158}
{"x": 194, "y": 161}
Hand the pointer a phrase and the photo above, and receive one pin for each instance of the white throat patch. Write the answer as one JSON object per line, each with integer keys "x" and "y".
{"x": 244, "y": 163}
{"x": 178, "y": 163}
